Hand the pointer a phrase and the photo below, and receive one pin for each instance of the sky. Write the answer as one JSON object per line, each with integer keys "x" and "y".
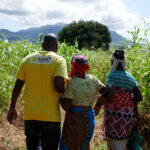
{"x": 117, "y": 15}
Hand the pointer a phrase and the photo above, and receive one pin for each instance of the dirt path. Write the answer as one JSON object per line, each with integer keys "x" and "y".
{"x": 12, "y": 136}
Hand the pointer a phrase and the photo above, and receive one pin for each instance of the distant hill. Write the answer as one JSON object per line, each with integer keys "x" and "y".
{"x": 116, "y": 37}
{"x": 32, "y": 34}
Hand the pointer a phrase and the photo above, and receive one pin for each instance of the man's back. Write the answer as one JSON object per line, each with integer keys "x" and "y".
{"x": 41, "y": 99}
{"x": 43, "y": 74}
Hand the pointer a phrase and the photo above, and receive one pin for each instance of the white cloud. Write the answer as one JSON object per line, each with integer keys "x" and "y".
{"x": 30, "y": 13}
{"x": 80, "y": 1}
{"x": 14, "y": 12}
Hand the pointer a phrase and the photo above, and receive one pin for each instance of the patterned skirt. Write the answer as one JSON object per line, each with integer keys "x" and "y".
{"x": 77, "y": 129}
{"x": 119, "y": 117}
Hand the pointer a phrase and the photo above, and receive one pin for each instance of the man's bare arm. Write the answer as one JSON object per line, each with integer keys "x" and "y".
{"x": 12, "y": 113}
{"x": 59, "y": 84}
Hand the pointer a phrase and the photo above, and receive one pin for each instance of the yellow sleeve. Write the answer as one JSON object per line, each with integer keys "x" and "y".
{"x": 21, "y": 72}
{"x": 68, "y": 91}
{"x": 61, "y": 69}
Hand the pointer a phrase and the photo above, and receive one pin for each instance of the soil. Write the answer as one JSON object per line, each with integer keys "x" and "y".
{"x": 12, "y": 136}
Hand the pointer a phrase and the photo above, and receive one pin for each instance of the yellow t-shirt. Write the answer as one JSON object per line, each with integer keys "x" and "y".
{"x": 41, "y": 99}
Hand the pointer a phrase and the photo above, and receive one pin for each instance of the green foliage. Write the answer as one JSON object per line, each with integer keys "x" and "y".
{"x": 140, "y": 36}
{"x": 11, "y": 55}
{"x": 68, "y": 51}
{"x": 138, "y": 64}
{"x": 135, "y": 36}
{"x": 99, "y": 63}
{"x": 100, "y": 147}
{"x": 138, "y": 59}
{"x": 87, "y": 33}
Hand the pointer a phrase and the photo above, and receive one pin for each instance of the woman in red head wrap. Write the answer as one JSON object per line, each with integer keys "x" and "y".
{"x": 79, "y": 65}
{"x": 77, "y": 101}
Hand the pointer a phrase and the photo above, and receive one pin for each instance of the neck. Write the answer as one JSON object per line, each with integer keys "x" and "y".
{"x": 120, "y": 67}
{"x": 45, "y": 49}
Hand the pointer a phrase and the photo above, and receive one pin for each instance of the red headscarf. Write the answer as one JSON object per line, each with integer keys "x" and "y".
{"x": 79, "y": 65}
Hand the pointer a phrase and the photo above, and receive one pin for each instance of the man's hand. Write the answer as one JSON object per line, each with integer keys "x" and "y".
{"x": 12, "y": 115}
{"x": 97, "y": 110}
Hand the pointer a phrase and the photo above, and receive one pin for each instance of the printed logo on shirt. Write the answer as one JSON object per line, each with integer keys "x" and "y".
{"x": 41, "y": 59}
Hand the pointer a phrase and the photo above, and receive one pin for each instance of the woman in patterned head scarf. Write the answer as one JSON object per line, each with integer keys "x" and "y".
{"x": 124, "y": 95}
{"x": 77, "y": 101}
{"x": 79, "y": 65}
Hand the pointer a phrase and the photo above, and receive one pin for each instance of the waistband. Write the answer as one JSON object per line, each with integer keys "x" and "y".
{"x": 123, "y": 90}
{"x": 112, "y": 139}
{"x": 80, "y": 108}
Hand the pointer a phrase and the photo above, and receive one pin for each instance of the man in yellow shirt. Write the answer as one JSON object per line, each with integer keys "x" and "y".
{"x": 43, "y": 74}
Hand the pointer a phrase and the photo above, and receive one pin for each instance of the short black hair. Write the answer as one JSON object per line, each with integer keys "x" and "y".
{"x": 50, "y": 40}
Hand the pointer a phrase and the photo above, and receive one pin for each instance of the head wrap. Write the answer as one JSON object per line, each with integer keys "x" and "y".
{"x": 79, "y": 65}
{"x": 116, "y": 58}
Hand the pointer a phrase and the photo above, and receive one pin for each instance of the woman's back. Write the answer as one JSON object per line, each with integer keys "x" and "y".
{"x": 121, "y": 79}
{"x": 77, "y": 100}
{"x": 83, "y": 91}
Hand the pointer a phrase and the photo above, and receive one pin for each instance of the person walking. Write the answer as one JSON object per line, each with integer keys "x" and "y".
{"x": 119, "y": 108}
{"x": 43, "y": 74}
{"x": 77, "y": 101}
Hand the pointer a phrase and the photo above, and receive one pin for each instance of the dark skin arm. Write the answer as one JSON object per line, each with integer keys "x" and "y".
{"x": 59, "y": 84}
{"x": 106, "y": 94}
{"x": 12, "y": 113}
{"x": 65, "y": 103}
{"x": 137, "y": 97}
{"x": 60, "y": 88}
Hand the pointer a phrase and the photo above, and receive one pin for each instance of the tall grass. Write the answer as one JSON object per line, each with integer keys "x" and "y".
{"x": 11, "y": 55}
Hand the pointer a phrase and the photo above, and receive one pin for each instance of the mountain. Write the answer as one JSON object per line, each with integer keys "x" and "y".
{"x": 32, "y": 34}
{"x": 116, "y": 37}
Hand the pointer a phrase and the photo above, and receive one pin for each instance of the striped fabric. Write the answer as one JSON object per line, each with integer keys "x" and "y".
{"x": 121, "y": 79}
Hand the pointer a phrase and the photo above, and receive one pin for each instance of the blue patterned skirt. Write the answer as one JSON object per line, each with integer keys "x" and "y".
{"x": 77, "y": 129}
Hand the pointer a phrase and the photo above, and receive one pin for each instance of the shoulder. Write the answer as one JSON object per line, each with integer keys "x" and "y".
{"x": 33, "y": 54}
{"x": 59, "y": 60}
{"x": 116, "y": 74}
{"x": 111, "y": 74}
{"x": 92, "y": 77}
{"x": 30, "y": 56}
{"x": 130, "y": 76}
{"x": 56, "y": 56}
{"x": 95, "y": 79}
